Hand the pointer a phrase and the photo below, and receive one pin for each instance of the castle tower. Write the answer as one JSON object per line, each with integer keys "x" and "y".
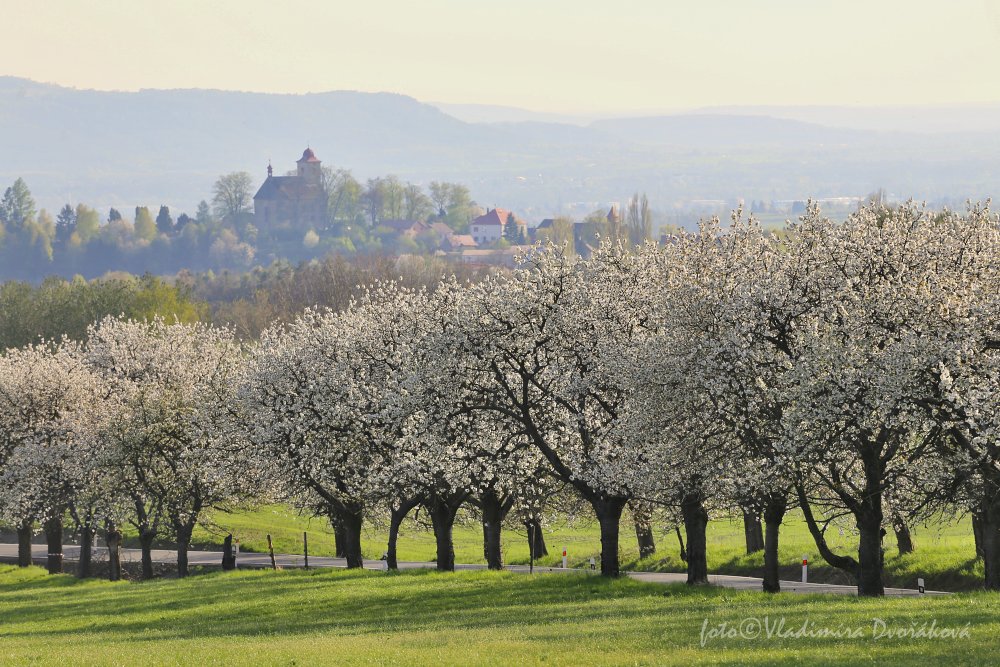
{"x": 310, "y": 167}
{"x": 297, "y": 200}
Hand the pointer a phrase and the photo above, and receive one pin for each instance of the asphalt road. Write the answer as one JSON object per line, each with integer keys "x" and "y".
{"x": 8, "y": 552}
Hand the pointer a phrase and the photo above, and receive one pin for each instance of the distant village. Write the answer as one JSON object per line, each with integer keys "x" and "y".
{"x": 315, "y": 211}
{"x": 496, "y": 236}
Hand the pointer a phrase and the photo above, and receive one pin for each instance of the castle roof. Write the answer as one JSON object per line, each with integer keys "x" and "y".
{"x": 288, "y": 187}
{"x": 308, "y": 156}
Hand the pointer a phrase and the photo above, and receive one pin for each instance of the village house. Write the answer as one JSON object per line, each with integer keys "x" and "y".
{"x": 545, "y": 226}
{"x": 406, "y": 228}
{"x": 442, "y": 230}
{"x": 454, "y": 242}
{"x": 488, "y": 228}
{"x": 584, "y": 238}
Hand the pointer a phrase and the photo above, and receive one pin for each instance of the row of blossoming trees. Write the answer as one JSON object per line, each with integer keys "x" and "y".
{"x": 850, "y": 369}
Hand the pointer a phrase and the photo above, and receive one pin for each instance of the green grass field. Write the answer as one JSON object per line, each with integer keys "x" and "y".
{"x": 466, "y": 618}
{"x": 944, "y": 556}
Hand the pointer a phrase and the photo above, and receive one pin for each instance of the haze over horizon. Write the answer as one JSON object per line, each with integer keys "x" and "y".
{"x": 644, "y": 57}
{"x": 544, "y": 107}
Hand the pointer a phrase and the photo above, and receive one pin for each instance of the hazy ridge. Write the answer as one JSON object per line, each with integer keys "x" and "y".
{"x": 168, "y": 146}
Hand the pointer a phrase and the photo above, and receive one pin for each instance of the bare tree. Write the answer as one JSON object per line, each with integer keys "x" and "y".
{"x": 232, "y": 194}
{"x": 640, "y": 219}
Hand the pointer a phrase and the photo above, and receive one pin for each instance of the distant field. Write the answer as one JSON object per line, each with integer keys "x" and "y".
{"x": 427, "y": 618}
{"x": 944, "y": 556}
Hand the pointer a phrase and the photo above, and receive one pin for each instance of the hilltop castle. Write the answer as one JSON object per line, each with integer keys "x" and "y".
{"x": 297, "y": 201}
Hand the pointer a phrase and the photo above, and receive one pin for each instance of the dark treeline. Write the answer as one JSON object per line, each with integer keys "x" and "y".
{"x": 248, "y": 302}
{"x": 60, "y": 307}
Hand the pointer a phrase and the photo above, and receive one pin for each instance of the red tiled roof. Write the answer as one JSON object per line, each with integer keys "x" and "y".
{"x": 497, "y": 216}
{"x": 461, "y": 241}
{"x": 442, "y": 229}
{"x": 404, "y": 225}
{"x": 308, "y": 156}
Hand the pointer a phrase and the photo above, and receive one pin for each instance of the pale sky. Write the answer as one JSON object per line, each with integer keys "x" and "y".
{"x": 568, "y": 56}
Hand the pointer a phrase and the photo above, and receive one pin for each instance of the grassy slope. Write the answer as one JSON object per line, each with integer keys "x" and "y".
{"x": 944, "y": 554}
{"x": 338, "y": 617}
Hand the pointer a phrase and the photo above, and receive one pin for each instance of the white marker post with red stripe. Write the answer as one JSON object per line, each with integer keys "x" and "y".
{"x": 805, "y": 570}
{"x": 564, "y": 558}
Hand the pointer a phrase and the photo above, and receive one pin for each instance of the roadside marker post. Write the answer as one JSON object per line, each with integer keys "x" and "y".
{"x": 920, "y": 585}
{"x": 805, "y": 570}
{"x": 531, "y": 548}
{"x": 593, "y": 563}
{"x": 236, "y": 555}
{"x": 564, "y": 558}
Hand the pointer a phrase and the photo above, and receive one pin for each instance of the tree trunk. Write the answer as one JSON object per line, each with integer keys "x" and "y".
{"x": 346, "y": 520}
{"x": 443, "y": 520}
{"x": 868, "y": 514}
{"x": 977, "y": 532}
{"x": 228, "y": 554}
{"x": 83, "y": 566}
{"x": 339, "y": 536}
{"x": 695, "y": 525}
{"x": 146, "y": 537}
{"x": 396, "y": 518}
{"x": 184, "y": 532}
{"x": 645, "y": 539}
{"x": 492, "y": 510}
{"x": 642, "y": 518}
{"x": 113, "y": 539}
{"x": 991, "y": 555}
{"x": 609, "y": 516}
{"x": 536, "y": 538}
{"x": 351, "y": 517}
{"x": 752, "y": 531}
{"x": 904, "y": 541}
{"x": 989, "y": 528}
{"x": 680, "y": 541}
{"x": 844, "y": 563}
{"x": 774, "y": 514}
{"x": 870, "y": 559}
{"x": 53, "y": 538}
{"x": 24, "y": 530}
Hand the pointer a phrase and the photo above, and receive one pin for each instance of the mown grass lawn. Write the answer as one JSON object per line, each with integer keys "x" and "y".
{"x": 944, "y": 556}
{"x": 466, "y": 618}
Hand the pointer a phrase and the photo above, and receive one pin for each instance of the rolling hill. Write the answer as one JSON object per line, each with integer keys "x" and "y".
{"x": 168, "y": 146}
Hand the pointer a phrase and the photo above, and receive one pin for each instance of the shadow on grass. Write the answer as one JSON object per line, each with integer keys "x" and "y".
{"x": 265, "y": 603}
{"x": 939, "y": 573}
{"x": 621, "y": 620}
